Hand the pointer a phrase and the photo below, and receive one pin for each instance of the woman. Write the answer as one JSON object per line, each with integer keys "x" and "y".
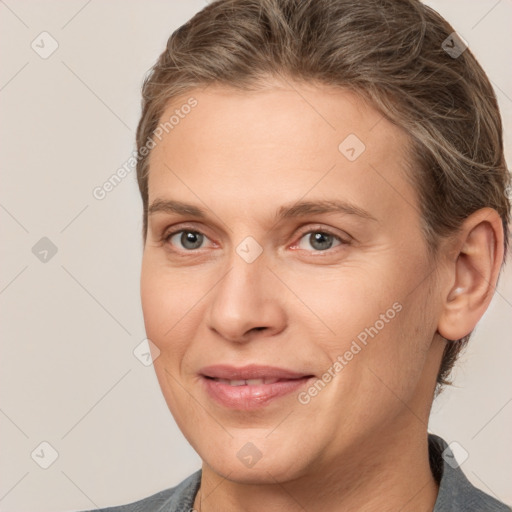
{"x": 325, "y": 220}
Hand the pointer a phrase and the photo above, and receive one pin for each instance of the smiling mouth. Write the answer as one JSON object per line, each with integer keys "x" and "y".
{"x": 248, "y": 382}
{"x": 251, "y": 394}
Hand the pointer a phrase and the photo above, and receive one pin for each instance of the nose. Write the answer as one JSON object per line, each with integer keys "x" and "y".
{"x": 244, "y": 304}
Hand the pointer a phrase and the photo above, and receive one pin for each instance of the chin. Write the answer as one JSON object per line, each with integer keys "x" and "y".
{"x": 258, "y": 462}
{"x": 259, "y": 474}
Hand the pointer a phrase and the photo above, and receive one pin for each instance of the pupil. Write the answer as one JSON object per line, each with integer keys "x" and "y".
{"x": 191, "y": 239}
{"x": 321, "y": 241}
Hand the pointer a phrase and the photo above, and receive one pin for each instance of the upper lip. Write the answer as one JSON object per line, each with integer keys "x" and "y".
{"x": 251, "y": 371}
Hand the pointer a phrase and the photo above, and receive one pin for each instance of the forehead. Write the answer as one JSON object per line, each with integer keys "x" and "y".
{"x": 302, "y": 117}
{"x": 280, "y": 144}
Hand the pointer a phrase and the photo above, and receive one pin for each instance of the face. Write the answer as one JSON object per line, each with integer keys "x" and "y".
{"x": 284, "y": 233}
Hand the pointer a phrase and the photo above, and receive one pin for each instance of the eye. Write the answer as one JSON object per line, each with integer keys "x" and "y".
{"x": 319, "y": 240}
{"x": 188, "y": 239}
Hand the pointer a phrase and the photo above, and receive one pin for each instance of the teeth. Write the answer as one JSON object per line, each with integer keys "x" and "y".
{"x": 248, "y": 382}
{"x": 236, "y": 382}
{"x": 255, "y": 382}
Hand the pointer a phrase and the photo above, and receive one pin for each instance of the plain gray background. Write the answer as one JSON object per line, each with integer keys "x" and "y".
{"x": 70, "y": 324}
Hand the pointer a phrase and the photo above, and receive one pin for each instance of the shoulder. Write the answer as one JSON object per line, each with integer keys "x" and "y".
{"x": 456, "y": 492}
{"x": 175, "y": 499}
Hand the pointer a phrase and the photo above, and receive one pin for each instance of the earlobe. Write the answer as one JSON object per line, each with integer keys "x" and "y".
{"x": 473, "y": 273}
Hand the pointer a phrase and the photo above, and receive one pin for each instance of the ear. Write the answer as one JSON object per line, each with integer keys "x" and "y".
{"x": 473, "y": 273}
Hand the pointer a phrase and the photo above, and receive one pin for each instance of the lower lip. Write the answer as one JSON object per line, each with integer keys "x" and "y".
{"x": 247, "y": 398}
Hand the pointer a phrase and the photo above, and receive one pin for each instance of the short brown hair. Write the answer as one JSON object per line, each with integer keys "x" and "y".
{"x": 390, "y": 52}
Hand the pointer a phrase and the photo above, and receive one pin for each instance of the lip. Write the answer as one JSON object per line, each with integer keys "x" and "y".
{"x": 250, "y": 371}
{"x": 250, "y": 397}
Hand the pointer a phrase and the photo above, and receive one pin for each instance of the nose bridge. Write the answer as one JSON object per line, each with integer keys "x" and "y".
{"x": 243, "y": 287}
{"x": 243, "y": 298}
{"x": 247, "y": 263}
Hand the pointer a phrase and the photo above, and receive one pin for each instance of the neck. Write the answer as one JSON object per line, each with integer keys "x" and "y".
{"x": 391, "y": 475}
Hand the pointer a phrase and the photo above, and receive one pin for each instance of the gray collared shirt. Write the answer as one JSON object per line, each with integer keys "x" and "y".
{"x": 456, "y": 493}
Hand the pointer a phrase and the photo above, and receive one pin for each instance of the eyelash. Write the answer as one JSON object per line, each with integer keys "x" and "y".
{"x": 343, "y": 242}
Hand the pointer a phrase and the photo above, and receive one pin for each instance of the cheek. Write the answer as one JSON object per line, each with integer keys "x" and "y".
{"x": 397, "y": 355}
{"x": 372, "y": 320}
{"x": 154, "y": 300}
{"x": 344, "y": 303}
{"x": 167, "y": 305}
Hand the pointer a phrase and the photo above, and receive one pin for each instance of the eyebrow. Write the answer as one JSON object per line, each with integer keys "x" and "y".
{"x": 293, "y": 210}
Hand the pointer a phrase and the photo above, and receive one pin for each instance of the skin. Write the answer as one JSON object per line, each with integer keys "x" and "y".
{"x": 361, "y": 443}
